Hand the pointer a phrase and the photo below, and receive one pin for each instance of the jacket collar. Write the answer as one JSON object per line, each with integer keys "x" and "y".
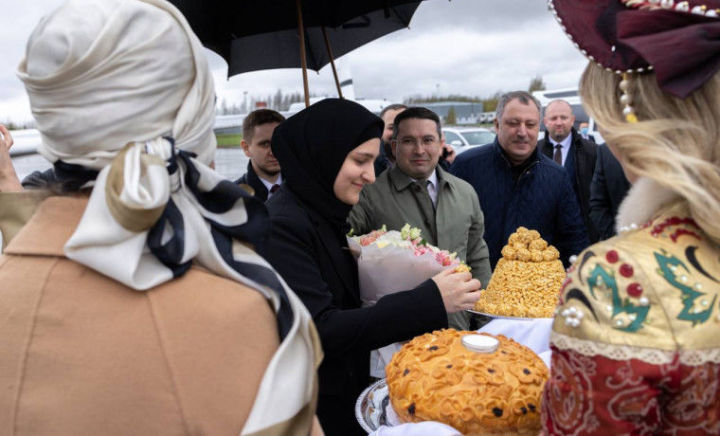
{"x": 575, "y": 141}
{"x": 402, "y": 181}
{"x": 252, "y": 177}
{"x": 50, "y": 227}
{"x": 500, "y": 154}
{"x": 643, "y": 202}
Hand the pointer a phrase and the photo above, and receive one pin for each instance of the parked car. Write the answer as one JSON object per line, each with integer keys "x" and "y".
{"x": 464, "y": 138}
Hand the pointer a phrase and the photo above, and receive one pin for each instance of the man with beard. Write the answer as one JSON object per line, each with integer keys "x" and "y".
{"x": 576, "y": 154}
{"x": 263, "y": 171}
{"x": 519, "y": 186}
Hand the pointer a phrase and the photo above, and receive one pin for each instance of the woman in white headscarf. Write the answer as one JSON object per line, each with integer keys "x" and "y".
{"x": 143, "y": 309}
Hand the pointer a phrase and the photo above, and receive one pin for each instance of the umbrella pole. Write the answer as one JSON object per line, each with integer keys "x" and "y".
{"x": 301, "y": 32}
{"x": 332, "y": 61}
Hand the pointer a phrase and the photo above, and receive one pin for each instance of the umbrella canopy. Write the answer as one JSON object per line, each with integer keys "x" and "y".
{"x": 267, "y": 34}
{"x": 281, "y": 49}
{"x": 218, "y": 22}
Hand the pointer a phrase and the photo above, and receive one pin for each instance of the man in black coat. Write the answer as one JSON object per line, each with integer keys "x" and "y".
{"x": 607, "y": 190}
{"x": 577, "y": 155}
{"x": 519, "y": 186}
{"x": 263, "y": 172}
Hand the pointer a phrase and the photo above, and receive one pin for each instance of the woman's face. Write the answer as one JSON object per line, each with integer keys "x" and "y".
{"x": 357, "y": 171}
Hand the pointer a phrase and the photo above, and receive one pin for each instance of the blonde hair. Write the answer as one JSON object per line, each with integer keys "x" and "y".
{"x": 676, "y": 142}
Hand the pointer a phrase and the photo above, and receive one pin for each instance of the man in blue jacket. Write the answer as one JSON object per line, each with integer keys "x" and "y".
{"x": 519, "y": 186}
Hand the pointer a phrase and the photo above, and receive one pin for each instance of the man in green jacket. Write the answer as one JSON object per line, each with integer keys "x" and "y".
{"x": 418, "y": 192}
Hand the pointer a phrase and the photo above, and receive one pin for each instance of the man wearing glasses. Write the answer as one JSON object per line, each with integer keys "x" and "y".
{"x": 418, "y": 192}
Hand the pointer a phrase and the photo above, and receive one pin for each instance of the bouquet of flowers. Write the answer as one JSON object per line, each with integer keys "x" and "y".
{"x": 392, "y": 261}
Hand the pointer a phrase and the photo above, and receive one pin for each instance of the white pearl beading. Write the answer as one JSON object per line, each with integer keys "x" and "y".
{"x": 671, "y": 5}
{"x": 665, "y": 4}
{"x": 628, "y": 228}
{"x": 573, "y": 316}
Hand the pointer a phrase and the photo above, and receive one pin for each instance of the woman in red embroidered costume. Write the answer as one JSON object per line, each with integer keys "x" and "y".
{"x": 635, "y": 342}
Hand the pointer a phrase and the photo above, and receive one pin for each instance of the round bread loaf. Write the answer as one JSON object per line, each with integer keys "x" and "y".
{"x": 435, "y": 377}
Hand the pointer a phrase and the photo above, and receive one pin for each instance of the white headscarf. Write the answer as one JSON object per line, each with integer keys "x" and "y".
{"x": 107, "y": 80}
{"x": 100, "y": 74}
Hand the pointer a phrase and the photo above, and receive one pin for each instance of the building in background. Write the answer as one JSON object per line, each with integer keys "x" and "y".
{"x": 455, "y": 112}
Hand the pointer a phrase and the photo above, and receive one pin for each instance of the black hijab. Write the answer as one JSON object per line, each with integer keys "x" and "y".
{"x": 312, "y": 145}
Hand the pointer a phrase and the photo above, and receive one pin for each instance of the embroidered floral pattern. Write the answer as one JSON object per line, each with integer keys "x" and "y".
{"x": 591, "y": 395}
{"x": 694, "y": 310}
{"x": 660, "y": 283}
{"x": 625, "y": 314}
{"x": 567, "y": 400}
{"x": 661, "y": 226}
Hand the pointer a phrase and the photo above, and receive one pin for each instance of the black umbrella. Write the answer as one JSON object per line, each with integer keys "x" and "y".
{"x": 265, "y": 34}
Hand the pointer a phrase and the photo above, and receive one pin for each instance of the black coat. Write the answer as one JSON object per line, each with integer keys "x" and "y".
{"x": 313, "y": 258}
{"x": 608, "y": 189}
{"x": 251, "y": 179}
{"x": 585, "y": 154}
{"x": 541, "y": 198}
{"x": 382, "y": 162}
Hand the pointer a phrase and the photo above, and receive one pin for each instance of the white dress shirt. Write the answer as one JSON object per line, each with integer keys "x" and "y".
{"x": 566, "y": 144}
{"x": 431, "y": 186}
{"x": 269, "y": 185}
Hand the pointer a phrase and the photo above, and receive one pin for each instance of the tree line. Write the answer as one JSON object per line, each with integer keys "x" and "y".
{"x": 281, "y": 101}
{"x": 489, "y": 103}
{"x": 278, "y": 101}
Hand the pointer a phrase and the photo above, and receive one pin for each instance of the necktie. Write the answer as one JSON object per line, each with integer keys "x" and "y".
{"x": 557, "y": 157}
{"x": 428, "y": 186}
{"x": 274, "y": 188}
{"x": 423, "y": 187}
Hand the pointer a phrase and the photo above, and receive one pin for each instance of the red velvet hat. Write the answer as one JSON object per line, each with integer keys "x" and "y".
{"x": 679, "y": 40}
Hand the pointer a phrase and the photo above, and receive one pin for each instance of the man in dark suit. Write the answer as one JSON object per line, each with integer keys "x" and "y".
{"x": 607, "y": 190}
{"x": 577, "y": 155}
{"x": 263, "y": 172}
{"x": 519, "y": 186}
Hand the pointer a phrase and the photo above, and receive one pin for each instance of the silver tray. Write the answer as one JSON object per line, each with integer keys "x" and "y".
{"x": 490, "y": 315}
{"x": 370, "y": 406}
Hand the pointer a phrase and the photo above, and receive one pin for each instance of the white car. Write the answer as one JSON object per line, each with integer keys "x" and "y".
{"x": 465, "y": 138}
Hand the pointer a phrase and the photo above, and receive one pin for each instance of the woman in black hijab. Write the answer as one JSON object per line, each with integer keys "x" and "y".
{"x": 326, "y": 153}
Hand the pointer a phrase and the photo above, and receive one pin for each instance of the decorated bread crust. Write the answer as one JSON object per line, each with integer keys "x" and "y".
{"x": 527, "y": 279}
{"x": 435, "y": 377}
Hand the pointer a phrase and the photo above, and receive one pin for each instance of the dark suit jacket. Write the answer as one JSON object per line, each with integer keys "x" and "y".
{"x": 585, "y": 154}
{"x": 251, "y": 179}
{"x": 607, "y": 191}
{"x": 541, "y": 199}
{"x": 312, "y": 256}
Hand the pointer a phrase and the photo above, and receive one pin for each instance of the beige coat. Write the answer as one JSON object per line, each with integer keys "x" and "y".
{"x": 81, "y": 354}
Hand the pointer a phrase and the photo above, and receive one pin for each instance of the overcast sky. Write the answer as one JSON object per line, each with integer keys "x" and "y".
{"x": 471, "y": 47}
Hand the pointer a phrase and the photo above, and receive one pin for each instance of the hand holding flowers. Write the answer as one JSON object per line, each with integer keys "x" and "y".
{"x": 392, "y": 261}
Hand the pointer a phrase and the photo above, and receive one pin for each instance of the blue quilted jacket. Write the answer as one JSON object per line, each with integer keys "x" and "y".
{"x": 542, "y": 199}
